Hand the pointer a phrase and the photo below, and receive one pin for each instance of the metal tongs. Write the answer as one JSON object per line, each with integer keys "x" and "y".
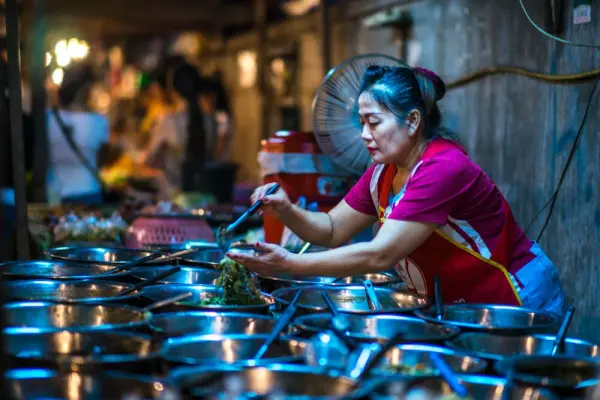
{"x": 225, "y": 231}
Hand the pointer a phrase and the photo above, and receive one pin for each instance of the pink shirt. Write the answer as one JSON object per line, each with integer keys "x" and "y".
{"x": 451, "y": 191}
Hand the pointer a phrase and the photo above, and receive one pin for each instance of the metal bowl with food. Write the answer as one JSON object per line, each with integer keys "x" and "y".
{"x": 82, "y": 351}
{"x": 186, "y": 276}
{"x": 350, "y": 299}
{"x": 228, "y": 349}
{"x": 378, "y": 328}
{"x": 57, "y": 270}
{"x": 492, "y": 318}
{"x": 211, "y": 323}
{"x": 88, "y": 291}
{"x": 209, "y": 255}
{"x": 498, "y": 347}
{"x": 99, "y": 255}
{"x": 28, "y": 384}
{"x": 199, "y": 294}
{"x": 51, "y": 317}
{"x": 383, "y": 279}
{"x": 479, "y": 387}
{"x": 287, "y": 381}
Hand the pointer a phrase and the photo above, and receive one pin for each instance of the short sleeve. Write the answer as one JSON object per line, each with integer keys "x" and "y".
{"x": 359, "y": 197}
{"x": 433, "y": 192}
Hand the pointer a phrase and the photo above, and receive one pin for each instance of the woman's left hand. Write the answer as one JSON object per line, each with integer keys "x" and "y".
{"x": 270, "y": 260}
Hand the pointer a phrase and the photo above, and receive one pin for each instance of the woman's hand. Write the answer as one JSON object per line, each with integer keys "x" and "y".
{"x": 276, "y": 203}
{"x": 270, "y": 260}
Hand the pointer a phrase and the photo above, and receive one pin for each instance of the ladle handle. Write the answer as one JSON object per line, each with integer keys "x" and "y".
{"x": 151, "y": 281}
{"x": 166, "y": 302}
{"x": 562, "y": 332}
{"x": 371, "y": 295}
{"x": 136, "y": 262}
{"x": 448, "y": 375}
{"x": 330, "y": 304}
{"x": 251, "y": 211}
{"x": 376, "y": 359}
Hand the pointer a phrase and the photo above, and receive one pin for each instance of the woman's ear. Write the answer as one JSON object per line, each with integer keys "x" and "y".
{"x": 413, "y": 120}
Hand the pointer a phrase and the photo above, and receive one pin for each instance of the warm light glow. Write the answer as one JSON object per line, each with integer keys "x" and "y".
{"x": 61, "y": 47}
{"x": 73, "y": 47}
{"x": 63, "y": 59}
{"x": 57, "y": 76}
{"x": 77, "y": 49}
{"x": 247, "y": 66}
{"x": 48, "y": 59}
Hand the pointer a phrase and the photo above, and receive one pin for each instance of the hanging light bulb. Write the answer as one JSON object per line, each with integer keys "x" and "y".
{"x": 63, "y": 59}
{"x": 48, "y": 58}
{"x": 57, "y": 76}
{"x": 83, "y": 49}
{"x": 73, "y": 48}
{"x": 61, "y": 47}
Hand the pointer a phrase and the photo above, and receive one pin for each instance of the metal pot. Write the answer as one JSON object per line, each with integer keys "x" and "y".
{"x": 493, "y": 318}
{"x": 27, "y": 384}
{"x": 287, "y": 381}
{"x": 100, "y": 255}
{"x": 228, "y": 349}
{"x": 50, "y": 317}
{"x": 211, "y": 323}
{"x": 558, "y": 372}
{"x": 199, "y": 293}
{"x": 479, "y": 387}
{"x": 56, "y": 270}
{"x": 384, "y": 279}
{"x": 88, "y": 291}
{"x": 379, "y": 328}
{"x": 82, "y": 351}
{"x": 350, "y": 299}
{"x": 187, "y": 275}
{"x": 498, "y": 347}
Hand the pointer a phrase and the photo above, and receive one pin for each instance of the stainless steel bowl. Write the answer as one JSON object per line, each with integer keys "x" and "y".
{"x": 350, "y": 299}
{"x": 187, "y": 275}
{"x": 211, "y": 323}
{"x": 100, "y": 255}
{"x": 288, "y": 381}
{"x": 51, "y": 317}
{"x": 384, "y": 279}
{"x": 379, "y": 328}
{"x": 81, "y": 351}
{"x": 28, "y": 384}
{"x": 228, "y": 349}
{"x": 479, "y": 387}
{"x": 57, "y": 270}
{"x": 498, "y": 347}
{"x": 199, "y": 293}
{"x": 88, "y": 291}
{"x": 493, "y": 318}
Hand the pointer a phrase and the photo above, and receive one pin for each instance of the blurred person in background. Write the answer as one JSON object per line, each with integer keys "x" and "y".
{"x": 75, "y": 135}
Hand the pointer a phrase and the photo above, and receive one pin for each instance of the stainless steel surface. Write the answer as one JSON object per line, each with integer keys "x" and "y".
{"x": 211, "y": 323}
{"x": 89, "y": 291}
{"x": 384, "y": 279}
{"x": 187, "y": 275}
{"x": 228, "y": 349}
{"x": 479, "y": 387}
{"x": 55, "y": 270}
{"x": 379, "y": 327}
{"x": 101, "y": 255}
{"x": 290, "y": 381}
{"x": 552, "y": 371}
{"x": 38, "y": 384}
{"x": 497, "y": 347}
{"x": 350, "y": 299}
{"x": 493, "y": 318}
{"x": 48, "y": 317}
{"x": 80, "y": 350}
{"x": 199, "y": 293}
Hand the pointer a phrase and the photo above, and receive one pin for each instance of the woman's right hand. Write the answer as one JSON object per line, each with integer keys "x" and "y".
{"x": 275, "y": 203}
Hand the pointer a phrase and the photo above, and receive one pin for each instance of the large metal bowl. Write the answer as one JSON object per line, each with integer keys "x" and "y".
{"x": 498, "y": 347}
{"x": 228, "y": 349}
{"x": 199, "y": 293}
{"x": 37, "y": 384}
{"x": 383, "y": 279}
{"x": 211, "y": 323}
{"x": 350, "y": 299}
{"x": 50, "y": 317}
{"x": 187, "y": 275}
{"x": 57, "y": 270}
{"x": 372, "y": 328}
{"x": 288, "y": 381}
{"x": 88, "y": 291}
{"x": 99, "y": 255}
{"x": 82, "y": 351}
{"x": 480, "y": 387}
{"x": 493, "y": 318}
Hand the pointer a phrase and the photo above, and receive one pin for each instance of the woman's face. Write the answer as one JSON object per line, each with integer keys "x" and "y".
{"x": 388, "y": 141}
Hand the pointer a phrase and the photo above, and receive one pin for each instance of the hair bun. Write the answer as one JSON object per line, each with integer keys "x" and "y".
{"x": 374, "y": 73}
{"x": 438, "y": 83}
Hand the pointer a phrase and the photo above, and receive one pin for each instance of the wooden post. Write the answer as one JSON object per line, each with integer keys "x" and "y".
{"x": 16, "y": 128}
{"x": 325, "y": 36}
{"x": 260, "y": 15}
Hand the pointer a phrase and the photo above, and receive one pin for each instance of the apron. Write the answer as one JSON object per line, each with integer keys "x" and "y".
{"x": 465, "y": 275}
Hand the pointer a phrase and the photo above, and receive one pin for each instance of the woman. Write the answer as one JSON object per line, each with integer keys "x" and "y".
{"x": 440, "y": 214}
{"x": 76, "y": 135}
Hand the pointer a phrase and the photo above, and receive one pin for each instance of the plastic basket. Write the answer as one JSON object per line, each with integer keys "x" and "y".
{"x": 153, "y": 230}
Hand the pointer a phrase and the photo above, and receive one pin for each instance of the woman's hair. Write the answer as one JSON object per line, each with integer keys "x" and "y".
{"x": 78, "y": 76}
{"x": 403, "y": 89}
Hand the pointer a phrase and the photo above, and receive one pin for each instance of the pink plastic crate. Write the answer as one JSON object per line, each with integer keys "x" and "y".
{"x": 149, "y": 230}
